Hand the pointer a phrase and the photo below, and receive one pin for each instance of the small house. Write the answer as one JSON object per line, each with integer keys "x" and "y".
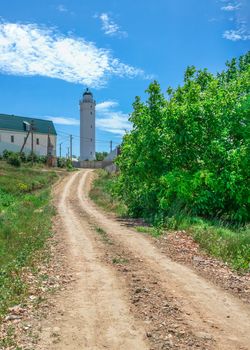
{"x": 27, "y": 134}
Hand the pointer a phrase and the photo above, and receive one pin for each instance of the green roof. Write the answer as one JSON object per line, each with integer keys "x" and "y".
{"x": 16, "y": 123}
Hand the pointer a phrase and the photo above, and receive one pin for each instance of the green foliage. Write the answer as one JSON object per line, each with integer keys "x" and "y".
{"x": 6, "y": 154}
{"x": 14, "y": 159}
{"x": 25, "y": 222}
{"x": 65, "y": 163}
{"x": 101, "y": 155}
{"x": 23, "y": 157}
{"x": 69, "y": 165}
{"x": 61, "y": 162}
{"x": 102, "y": 192}
{"x": 33, "y": 157}
{"x": 190, "y": 152}
{"x": 232, "y": 246}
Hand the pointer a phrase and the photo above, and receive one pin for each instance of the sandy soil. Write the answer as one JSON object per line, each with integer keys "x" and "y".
{"x": 127, "y": 294}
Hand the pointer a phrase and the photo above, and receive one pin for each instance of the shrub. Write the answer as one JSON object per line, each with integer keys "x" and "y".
{"x": 32, "y": 156}
{"x": 64, "y": 163}
{"x": 14, "y": 160}
{"x": 42, "y": 159}
{"x": 6, "y": 154}
{"x": 69, "y": 164}
{"x": 23, "y": 157}
{"x": 61, "y": 162}
{"x": 101, "y": 155}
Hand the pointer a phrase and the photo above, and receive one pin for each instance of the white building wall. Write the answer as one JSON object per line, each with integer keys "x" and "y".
{"x": 39, "y": 149}
{"x": 87, "y": 127}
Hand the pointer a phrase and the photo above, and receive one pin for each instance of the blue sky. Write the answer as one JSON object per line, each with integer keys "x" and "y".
{"x": 51, "y": 50}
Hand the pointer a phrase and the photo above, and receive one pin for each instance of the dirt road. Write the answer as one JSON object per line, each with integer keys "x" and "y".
{"x": 127, "y": 294}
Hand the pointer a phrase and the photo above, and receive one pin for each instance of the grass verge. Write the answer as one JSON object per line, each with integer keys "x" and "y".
{"x": 219, "y": 240}
{"x": 101, "y": 194}
{"x": 25, "y": 224}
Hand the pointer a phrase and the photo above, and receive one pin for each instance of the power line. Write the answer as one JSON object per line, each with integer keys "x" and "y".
{"x": 88, "y": 138}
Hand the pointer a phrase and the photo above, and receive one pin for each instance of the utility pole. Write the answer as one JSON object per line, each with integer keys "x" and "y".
{"x": 68, "y": 153}
{"x": 111, "y": 144}
{"x": 48, "y": 142}
{"x": 48, "y": 148}
{"x": 32, "y": 140}
{"x": 70, "y": 146}
{"x": 60, "y": 149}
{"x": 25, "y": 140}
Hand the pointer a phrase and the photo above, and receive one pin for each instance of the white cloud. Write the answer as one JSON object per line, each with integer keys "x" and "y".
{"x": 30, "y": 49}
{"x": 109, "y": 27}
{"x": 117, "y": 123}
{"x": 62, "y": 8}
{"x": 105, "y": 106}
{"x": 110, "y": 120}
{"x": 230, "y": 7}
{"x": 107, "y": 119}
{"x": 239, "y": 19}
{"x": 236, "y": 35}
{"x": 63, "y": 120}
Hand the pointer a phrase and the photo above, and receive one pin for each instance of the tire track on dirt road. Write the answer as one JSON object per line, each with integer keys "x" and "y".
{"x": 211, "y": 311}
{"x": 94, "y": 314}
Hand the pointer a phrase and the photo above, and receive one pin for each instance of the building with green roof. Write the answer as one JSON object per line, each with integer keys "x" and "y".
{"x": 14, "y": 130}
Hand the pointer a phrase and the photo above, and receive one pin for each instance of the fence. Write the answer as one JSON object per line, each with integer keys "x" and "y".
{"x": 92, "y": 164}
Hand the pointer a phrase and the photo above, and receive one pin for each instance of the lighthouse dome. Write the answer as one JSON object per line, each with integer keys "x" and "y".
{"x": 87, "y": 92}
{"x": 87, "y": 96}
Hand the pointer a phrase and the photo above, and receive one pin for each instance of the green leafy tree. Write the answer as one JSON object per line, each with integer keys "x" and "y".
{"x": 189, "y": 152}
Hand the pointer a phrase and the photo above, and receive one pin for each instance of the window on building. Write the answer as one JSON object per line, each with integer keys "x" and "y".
{"x": 91, "y": 126}
{"x": 37, "y": 141}
{"x": 12, "y": 138}
{"x": 90, "y": 112}
{"x": 91, "y": 140}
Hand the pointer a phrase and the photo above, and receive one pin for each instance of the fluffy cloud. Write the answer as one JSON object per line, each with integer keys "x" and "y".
{"x": 30, "y": 49}
{"x": 63, "y": 120}
{"x": 240, "y": 30}
{"x": 236, "y": 35}
{"x": 105, "y": 106}
{"x": 109, "y": 27}
{"x": 110, "y": 120}
{"x": 230, "y": 7}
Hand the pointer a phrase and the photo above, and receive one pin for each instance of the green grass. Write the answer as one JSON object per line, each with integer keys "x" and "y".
{"x": 101, "y": 194}
{"x": 119, "y": 260}
{"x": 232, "y": 245}
{"x": 151, "y": 230}
{"x": 9, "y": 340}
{"x": 25, "y": 224}
{"x": 103, "y": 235}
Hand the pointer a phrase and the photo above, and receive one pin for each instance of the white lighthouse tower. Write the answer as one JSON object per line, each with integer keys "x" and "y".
{"x": 87, "y": 126}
